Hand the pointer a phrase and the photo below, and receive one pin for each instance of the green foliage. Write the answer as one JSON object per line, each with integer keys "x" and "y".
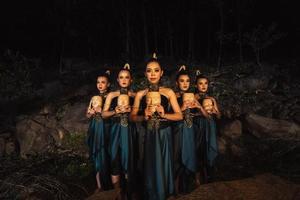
{"x": 61, "y": 111}
{"x": 75, "y": 141}
{"x": 76, "y": 168}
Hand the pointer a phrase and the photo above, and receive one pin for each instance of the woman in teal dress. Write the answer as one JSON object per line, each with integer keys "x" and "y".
{"x": 97, "y": 133}
{"x": 157, "y": 106}
{"x": 184, "y": 133}
{"x": 117, "y": 108}
{"x": 207, "y": 147}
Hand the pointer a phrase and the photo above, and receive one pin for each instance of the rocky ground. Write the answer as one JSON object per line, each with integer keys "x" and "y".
{"x": 259, "y": 131}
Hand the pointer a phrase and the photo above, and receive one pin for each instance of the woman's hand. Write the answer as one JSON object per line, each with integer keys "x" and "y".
{"x": 126, "y": 109}
{"x": 148, "y": 113}
{"x": 185, "y": 106}
{"x": 118, "y": 109}
{"x": 91, "y": 111}
{"x": 98, "y": 109}
{"x": 160, "y": 110}
{"x": 196, "y": 104}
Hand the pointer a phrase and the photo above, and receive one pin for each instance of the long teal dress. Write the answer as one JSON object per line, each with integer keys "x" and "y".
{"x": 206, "y": 137}
{"x": 121, "y": 141}
{"x": 211, "y": 140}
{"x": 185, "y": 148}
{"x": 98, "y": 146}
{"x": 158, "y": 156}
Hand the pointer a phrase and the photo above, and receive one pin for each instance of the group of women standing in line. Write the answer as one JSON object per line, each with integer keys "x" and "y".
{"x": 151, "y": 140}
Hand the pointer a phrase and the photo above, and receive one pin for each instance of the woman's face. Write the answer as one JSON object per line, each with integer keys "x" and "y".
{"x": 183, "y": 82}
{"x": 102, "y": 84}
{"x": 153, "y": 72}
{"x": 124, "y": 78}
{"x": 202, "y": 85}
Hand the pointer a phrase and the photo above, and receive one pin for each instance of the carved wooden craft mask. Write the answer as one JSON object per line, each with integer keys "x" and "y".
{"x": 207, "y": 105}
{"x": 188, "y": 97}
{"x": 96, "y": 102}
{"x": 153, "y": 99}
{"x": 123, "y": 100}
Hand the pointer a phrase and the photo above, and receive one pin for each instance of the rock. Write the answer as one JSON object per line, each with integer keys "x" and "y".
{"x": 33, "y": 136}
{"x": 233, "y": 129}
{"x": 263, "y": 127}
{"x": 296, "y": 117}
{"x": 222, "y": 145}
{"x": 261, "y": 187}
{"x": 105, "y": 195}
{"x": 236, "y": 150}
{"x": 10, "y": 147}
{"x": 251, "y": 83}
{"x": 74, "y": 119}
{"x": 47, "y": 110}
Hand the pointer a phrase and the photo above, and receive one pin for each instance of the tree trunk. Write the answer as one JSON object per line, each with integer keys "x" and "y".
{"x": 146, "y": 50}
{"x": 127, "y": 45}
{"x": 221, "y": 15}
{"x": 239, "y": 26}
{"x": 155, "y": 32}
{"x": 170, "y": 39}
{"x": 62, "y": 51}
{"x": 191, "y": 36}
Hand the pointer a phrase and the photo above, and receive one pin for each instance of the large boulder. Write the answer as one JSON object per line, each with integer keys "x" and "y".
{"x": 74, "y": 119}
{"x": 49, "y": 128}
{"x": 34, "y": 136}
{"x": 233, "y": 129}
{"x": 251, "y": 83}
{"x": 230, "y": 141}
{"x": 263, "y": 127}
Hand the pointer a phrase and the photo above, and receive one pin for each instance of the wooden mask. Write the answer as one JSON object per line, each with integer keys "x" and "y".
{"x": 188, "y": 97}
{"x": 208, "y": 105}
{"x": 153, "y": 99}
{"x": 96, "y": 102}
{"x": 123, "y": 100}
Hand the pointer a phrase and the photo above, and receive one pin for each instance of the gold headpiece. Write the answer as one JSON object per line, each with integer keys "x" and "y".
{"x": 183, "y": 67}
{"x": 126, "y": 66}
{"x": 154, "y": 55}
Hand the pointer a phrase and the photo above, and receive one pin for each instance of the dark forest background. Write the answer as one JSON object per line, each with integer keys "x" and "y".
{"x": 51, "y": 52}
{"x": 213, "y": 31}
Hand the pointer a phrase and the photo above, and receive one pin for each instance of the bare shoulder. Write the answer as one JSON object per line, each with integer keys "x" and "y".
{"x": 167, "y": 92}
{"x": 113, "y": 94}
{"x": 141, "y": 93}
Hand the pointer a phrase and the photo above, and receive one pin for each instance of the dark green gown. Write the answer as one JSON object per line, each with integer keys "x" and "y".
{"x": 158, "y": 157}
{"x": 98, "y": 146}
{"x": 185, "y": 148}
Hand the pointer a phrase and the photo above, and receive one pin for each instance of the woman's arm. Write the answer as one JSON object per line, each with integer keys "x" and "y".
{"x": 90, "y": 112}
{"x": 106, "y": 113}
{"x": 135, "y": 108}
{"x": 216, "y": 109}
{"x": 177, "y": 115}
{"x": 199, "y": 106}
